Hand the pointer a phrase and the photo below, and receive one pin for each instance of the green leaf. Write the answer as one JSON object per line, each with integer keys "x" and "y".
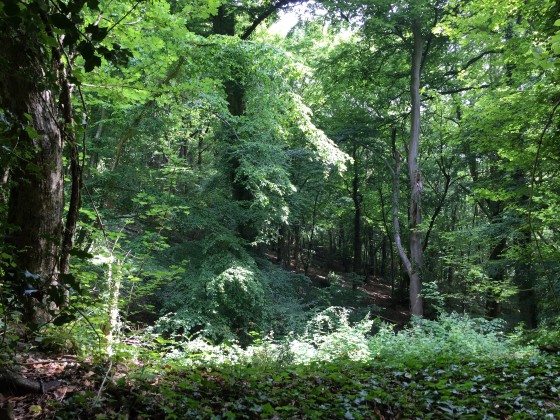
{"x": 97, "y": 33}
{"x": 61, "y": 21}
{"x": 79, "y": 253}
{"x": 64, "y": 319}
{"x": 92, "y": 63}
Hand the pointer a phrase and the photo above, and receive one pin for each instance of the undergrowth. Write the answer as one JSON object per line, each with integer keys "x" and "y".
{"x": 455, "y": 367}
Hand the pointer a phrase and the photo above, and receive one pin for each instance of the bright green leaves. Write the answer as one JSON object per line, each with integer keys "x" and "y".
{"x": 455, "y": 367}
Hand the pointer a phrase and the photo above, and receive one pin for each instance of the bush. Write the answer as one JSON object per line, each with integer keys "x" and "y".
{"x": 220, "y": 300}
{"x": 451, "y": 336}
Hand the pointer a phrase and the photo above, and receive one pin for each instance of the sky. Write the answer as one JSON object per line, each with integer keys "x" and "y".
{"x": 288, "y": 20}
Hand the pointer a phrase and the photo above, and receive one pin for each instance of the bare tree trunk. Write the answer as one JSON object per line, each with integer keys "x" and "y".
{"x": 396, "y": 195}
{"x": 114, "y": 278}
{"x": 415, "y": 210}
{"x": 357, "y": 199}
{"x": 297, "y": 245}
{"x": 309, "y": 253}
{"x": 413, "y": 265}
{"x": 94, "y": 155}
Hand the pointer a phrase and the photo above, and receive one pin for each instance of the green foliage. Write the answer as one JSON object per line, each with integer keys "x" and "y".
{"x": 287, "y": 300}
{"x": 166, "y": 226}
{"x": 486, "y": 380}
{"x": 221, "y": 299}
{"x": 451, "y": 337}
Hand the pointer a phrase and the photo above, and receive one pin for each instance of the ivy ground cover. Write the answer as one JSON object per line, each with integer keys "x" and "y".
{"x": 516, "y": 388}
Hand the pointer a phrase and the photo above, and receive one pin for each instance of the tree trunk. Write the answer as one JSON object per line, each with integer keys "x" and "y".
{"x": 114, "y": 279}
{"x": 415, "y": 213}
{"x": 357, "y": 199}
{"x": 524, "y": 279}
{"x": 284, "y": 245}
{"x": 496, "y": 272}
{"x": 413, "y": 265}
{"x": 309, "y": 253}
{"x": 297, "y": 245}
{"x": 36, "y": 194}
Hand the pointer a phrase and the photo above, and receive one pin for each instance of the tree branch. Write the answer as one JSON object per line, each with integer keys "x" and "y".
{"x": 136, "y": 122}
{"x": 396, "y": 226}
{"x": 472, "y": 61}
{"x": 459, "y": 90}
{"x": 265, "y": 14}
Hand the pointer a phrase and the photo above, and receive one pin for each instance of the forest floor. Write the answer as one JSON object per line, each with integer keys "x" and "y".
{"x": 378, "y": 291}
{"x": 79, "y": 377}
{"x": 506, "y": 388}
{"x": 148, "y": 388}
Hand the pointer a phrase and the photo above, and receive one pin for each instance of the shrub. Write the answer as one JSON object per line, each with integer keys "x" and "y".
{"x": 451, "y": 336}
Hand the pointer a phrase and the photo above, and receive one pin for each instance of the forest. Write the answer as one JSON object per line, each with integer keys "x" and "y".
{"x": 279, "y": 209}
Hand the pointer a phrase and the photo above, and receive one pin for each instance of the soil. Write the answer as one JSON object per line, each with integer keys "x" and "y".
{"x": 378, "y": 291}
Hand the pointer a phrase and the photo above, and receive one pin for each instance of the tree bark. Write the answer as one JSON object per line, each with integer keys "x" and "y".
{"x": 14, "y": 384}
{"x": 413, "y": 265}
{"x": 415, "y": 211}
{"x": 36, "y": 195}
{"x": 357, "y": 199}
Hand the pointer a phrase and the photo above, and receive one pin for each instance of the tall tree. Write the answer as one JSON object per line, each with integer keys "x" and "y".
{"x": 36, "y": 104}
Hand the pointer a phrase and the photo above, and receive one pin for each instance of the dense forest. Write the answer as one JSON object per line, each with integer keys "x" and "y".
{"x": 279, "y": 209}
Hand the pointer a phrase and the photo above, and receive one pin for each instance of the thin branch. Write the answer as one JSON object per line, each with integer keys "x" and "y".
{"x": 147, "y": 106}
{"x": 531, "y": 196}
{"x": 459, "y": 90}
{"x": 472, "y": 61}
{"x": 125, "y": 15}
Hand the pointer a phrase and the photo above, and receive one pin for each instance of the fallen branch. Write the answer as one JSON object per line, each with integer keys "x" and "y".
{"x": 14, "y": 384}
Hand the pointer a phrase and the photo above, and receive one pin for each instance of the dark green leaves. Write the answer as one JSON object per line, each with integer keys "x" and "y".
{"x": 87, "y": 51}
{"x": 64, "y": 319}
{"x": 93, "y": 4}
{"x": 61, "y": 21}
{"x": 11, "y": 8}
{"x": 97, "y": 34}
{"x": 490, "y": 389}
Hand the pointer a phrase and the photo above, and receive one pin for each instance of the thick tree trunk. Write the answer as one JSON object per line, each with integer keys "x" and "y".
{"x": 36, "y": 195}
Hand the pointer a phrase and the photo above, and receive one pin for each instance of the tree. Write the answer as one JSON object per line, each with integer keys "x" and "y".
{"x": 35, "y": 99}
